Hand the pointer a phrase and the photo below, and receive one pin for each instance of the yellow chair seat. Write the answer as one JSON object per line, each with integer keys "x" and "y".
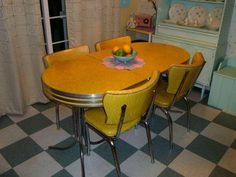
{"x": 163, "y": 98}
{"x": 96, "y": 117}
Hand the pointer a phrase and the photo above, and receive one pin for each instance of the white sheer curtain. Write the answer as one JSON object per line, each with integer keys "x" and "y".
{"x": 21, "y": 50}
{"x": 92, "y": 20}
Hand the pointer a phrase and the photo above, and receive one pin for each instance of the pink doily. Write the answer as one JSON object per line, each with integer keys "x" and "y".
{"x": 111, "y": 62}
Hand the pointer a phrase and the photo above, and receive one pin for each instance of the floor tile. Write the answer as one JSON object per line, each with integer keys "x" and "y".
{"x": 197, "y": 124}
{"x": 207, "y": 148}
{"x": 208, "y": 142}
{"x": 157, "y": 123}
{"x": 43, "y": 106}
{"x": 29, "y": 113}
{"x": 67, "y": 125}
{"x": 38, "y": 166}
{"x": 181, "y": 136}
{"x": 181, "y": 104}
{"x": 161, "y": 150}
{"x": 64, "y": 112}
{"x": 95, "y": 166}
{"x": 228, "y": 161}
{"x": 221, "y": 172}
{"x": 65, "y": 157}
{"x": 10, "y": 173}
{"x": 124, "y": 151}
{"x": 94, "y": 137}
{"x": 62, "y": 173}
{"x": 169, "y": 173}
{"x": 20, "y": 151}
{"x": 131, "y": 167}
{"x": 195, "y": 94}
{"x": 174, "y": 115}
{"x": 114, "y": 174}
{"x": 205, "y": 100}
{"x": 191, "y": 165}
{"x": 205, "y": 112}
{"x": 34, "y": 124}
{"x": 219, "y": 133}
{"x": 49, "y": 136}
{"x": 10, "y": 135}
{"x": 233, "y": 145}
{"x": 137, "y": 137}
{"x": 5, "y": 121}
{"x": 226, "y": 120}
{"x": 4, "y": 165}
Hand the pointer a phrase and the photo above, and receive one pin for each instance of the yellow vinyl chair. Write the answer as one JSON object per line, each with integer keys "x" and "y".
{"x": 110, "y": 43}
{"x": 68, "y": 54}
{"x": 122, "y": 111}
{"x": 181, "y": 79}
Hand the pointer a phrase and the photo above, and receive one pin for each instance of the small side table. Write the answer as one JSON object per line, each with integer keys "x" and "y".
{"x": 143, "y": 30}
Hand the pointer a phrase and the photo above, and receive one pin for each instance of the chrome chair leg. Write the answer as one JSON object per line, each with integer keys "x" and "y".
{"x": 114, "y": 153}
{"x": 188, "y": 113}
{"x": 170, "y": 124}
{"x": 75, "y": 125}
{"x": 148, "y": 132}
{"x": 78, "y": 114}
{"x": 88, "y": 146}
{"x": 57, "y": 116}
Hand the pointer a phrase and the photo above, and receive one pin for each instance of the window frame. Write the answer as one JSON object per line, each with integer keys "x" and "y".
{"x": 47, "y": 27}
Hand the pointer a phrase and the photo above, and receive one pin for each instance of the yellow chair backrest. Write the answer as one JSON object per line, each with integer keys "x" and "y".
{"x": 182, "y": 77}
{"x": 137, "y": 100}
{"x": 110, "y": 43}
{"x": 63, "y": 55}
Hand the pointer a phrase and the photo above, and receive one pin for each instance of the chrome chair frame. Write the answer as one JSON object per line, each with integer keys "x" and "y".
{"x": 167, "y": 110}
{"x": 167, "y": 114}
{"x": 111, "y": 140}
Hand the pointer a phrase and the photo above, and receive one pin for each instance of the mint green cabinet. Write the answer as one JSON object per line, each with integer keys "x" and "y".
{"x": 223, "y": 88}
{"x": 212, "y": 43}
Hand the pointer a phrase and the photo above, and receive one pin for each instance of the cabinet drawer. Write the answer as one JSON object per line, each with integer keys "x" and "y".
{"x": 183, "y": 33}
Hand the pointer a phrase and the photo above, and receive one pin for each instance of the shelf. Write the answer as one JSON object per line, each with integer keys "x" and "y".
{"x": 197, "y": 29}
{"x": 205, "y": 1}
{"x": 143, "y": 30}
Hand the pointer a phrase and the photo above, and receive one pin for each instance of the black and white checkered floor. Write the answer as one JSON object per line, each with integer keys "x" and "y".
{"x": 208, "y": 150}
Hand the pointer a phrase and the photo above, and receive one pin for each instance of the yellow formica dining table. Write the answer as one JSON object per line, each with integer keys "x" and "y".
{"x": 82, "y": 82}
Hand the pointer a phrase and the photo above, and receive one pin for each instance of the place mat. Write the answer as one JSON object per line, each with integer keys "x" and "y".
{"x": 111, "y": 62}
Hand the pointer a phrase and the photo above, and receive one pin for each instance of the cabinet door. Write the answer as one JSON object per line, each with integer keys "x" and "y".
{"x": 208, "y": 53}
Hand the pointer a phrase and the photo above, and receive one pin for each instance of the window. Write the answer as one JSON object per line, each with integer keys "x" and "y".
{"x": 55, "y": 25}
